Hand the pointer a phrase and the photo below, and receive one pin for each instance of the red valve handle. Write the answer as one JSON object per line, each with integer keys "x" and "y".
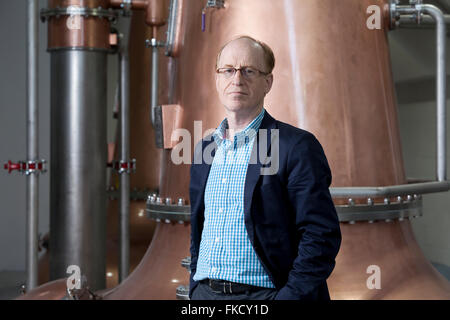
{"x": 10, "y": 166}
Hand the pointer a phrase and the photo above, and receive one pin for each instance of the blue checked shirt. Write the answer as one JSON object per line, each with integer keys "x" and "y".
{"x": 226, "y": 252}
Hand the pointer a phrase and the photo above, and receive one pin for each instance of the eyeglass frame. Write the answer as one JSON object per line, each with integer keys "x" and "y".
{"x": 240, "y": 70}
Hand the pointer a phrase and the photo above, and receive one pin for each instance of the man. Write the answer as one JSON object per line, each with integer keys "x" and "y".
{"x": 259, "y": 235}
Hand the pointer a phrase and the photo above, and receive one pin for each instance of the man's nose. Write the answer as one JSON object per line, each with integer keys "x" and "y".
{"x": 237, "y": 77}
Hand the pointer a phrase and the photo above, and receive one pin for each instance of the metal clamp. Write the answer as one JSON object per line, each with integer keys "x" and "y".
{"x": 124, "y": 166}
{"x": 153, "y": 43}
{"x": 167, "y": 211}
{"x": 186, "y": 263}
{"x": 215, "y": 4}
{"x": 182, "y": 293}
{"x": 79, "y": 11}
{"x": 126, "y": 7}
{"x": 27, "y": 167}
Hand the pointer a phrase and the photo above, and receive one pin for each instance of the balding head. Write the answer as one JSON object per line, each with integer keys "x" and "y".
{"x": 258, "y": 47}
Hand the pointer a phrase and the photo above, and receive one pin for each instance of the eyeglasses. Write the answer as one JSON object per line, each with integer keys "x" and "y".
{"x": 246, "y": 72}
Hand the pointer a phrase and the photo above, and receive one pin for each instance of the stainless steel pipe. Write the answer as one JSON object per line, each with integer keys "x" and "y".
{"x": 32, "y": 191}
{"x": 441, "y": 86}
{"x": 124, "y": 232}
{"x": 411, "y": 20}
{"x": 391, "y": 191}
{"x": 172, "y": 26}
{"x": 78, "y": 164}
{"x": 438, "y": 16}
{"x": 155, "y": 87}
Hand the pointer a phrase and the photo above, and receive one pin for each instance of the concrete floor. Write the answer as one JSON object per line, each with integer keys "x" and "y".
{"x": 11, "y": 281}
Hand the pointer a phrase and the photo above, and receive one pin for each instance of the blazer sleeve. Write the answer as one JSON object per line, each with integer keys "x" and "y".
{"x": 317, "y": 223}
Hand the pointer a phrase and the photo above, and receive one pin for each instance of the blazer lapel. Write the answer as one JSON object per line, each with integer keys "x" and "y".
{"x": 255, "y": 166}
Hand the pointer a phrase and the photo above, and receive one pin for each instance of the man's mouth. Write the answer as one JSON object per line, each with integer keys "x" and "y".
{"x": 238, "y": 93}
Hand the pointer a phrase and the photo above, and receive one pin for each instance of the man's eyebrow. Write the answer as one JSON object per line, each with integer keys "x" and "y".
{"x": 232, "y": 66}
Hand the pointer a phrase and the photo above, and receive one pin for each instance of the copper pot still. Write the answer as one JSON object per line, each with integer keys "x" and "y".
{"x": 333, "y": 78}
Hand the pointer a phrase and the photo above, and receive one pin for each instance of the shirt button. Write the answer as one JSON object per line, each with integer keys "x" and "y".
{"x": 213, "y": 269}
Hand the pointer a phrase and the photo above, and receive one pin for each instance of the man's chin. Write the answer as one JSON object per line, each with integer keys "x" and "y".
{"x": 234, "y": 107}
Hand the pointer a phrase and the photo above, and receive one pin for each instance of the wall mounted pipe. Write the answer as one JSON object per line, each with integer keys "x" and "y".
{"x": 32, "y": 192}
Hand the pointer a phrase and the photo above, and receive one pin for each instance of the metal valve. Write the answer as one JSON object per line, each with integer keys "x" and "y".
{"x": 123, "y": 166}
{"x": 27, "y": 167}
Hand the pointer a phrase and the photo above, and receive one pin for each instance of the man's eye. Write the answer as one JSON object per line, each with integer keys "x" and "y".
{"x": 228, "y": 71}
{"x": 249, "y": 71}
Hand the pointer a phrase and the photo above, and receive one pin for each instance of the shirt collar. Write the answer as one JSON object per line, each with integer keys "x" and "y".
{"x": 243, "y": 136}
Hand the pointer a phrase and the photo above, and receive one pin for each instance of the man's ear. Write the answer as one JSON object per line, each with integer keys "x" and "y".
{"x": 216, "y": 77}
{"x": 269, "y": 82}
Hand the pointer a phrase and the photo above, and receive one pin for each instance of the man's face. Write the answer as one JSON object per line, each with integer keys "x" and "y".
{"x": 237, "y": 92}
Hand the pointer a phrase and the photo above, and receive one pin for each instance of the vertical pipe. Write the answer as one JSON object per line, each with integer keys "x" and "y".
{"x": 441, "y": 79}
{"x": 78, "y": 164}
{"x": 124, "y": 77}
{"x": 32, "y": 194}
{"x": 154, "y": 89}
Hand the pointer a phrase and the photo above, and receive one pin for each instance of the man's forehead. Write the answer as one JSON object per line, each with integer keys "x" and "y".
{"x": 243, "y": 52}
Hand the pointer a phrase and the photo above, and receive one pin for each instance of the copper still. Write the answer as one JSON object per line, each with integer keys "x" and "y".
{"x": 333, "y": 78}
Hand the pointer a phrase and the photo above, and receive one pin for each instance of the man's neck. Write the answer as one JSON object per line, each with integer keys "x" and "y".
{"x": 237, "y": 121}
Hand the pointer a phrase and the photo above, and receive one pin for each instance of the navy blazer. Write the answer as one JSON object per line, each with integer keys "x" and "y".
{"x": 289, "y": 216}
